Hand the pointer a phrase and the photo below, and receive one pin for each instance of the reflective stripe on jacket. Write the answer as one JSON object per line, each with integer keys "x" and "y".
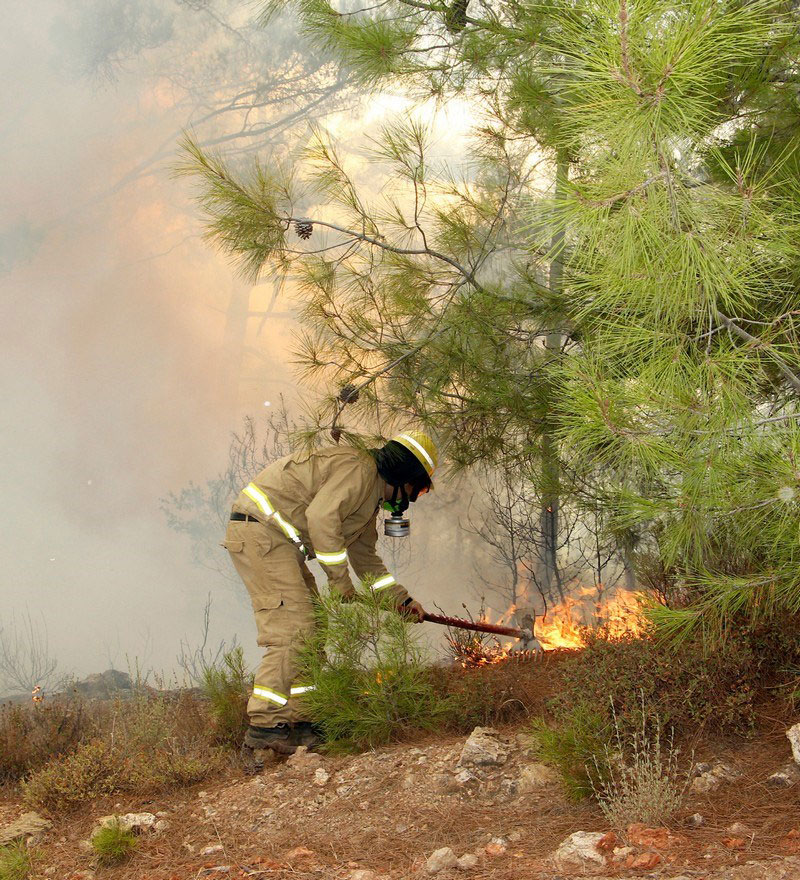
{"x": 331, "y": 496}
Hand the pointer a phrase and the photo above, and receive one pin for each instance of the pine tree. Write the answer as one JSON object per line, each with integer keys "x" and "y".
{"x": 627, "y": 339}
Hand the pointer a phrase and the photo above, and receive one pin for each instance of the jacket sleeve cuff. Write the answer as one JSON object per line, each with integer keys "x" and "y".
{"x": 398, "y": 593}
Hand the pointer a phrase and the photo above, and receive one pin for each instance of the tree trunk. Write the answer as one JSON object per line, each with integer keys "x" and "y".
{"x": 549, "y": 575}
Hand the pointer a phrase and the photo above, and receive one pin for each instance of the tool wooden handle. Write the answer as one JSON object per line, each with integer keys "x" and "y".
{"x": 458, "y": 623}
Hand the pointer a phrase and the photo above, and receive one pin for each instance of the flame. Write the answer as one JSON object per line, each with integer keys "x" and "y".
{"x": 565, "y": 625}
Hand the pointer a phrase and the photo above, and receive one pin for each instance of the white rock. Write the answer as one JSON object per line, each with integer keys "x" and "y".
{"x": 793, "y": 735}
{"x": 29, "y": 827}
{"x": 161, "y": 826}
{"x": 482, "y": 748}
{"x": 726, "y": 772}
{"x": 321, "y": 776}
{"x": 211, "y": 849}
{"x": 362, "y": 874}
{"x": 302, "y": 758}
{"x": 467, "y": 862}
{"x": 579, "y": 850}
{"x": 705, "y": 783}
{"x": 785, "y": 777}
{"x": 136, "y": 822}
{"x": 533, "y": 776}
{"x": 464, "y": 777}
{"x": 441, "y": 859}
{"x": 696, "y": 820}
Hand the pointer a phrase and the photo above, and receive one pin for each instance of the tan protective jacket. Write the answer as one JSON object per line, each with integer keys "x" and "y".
{"x": 331, "y": 496}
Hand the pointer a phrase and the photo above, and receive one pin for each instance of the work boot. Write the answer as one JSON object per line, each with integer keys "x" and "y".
{"x": 308, "y": 734}
{"x": 279, "y": 739}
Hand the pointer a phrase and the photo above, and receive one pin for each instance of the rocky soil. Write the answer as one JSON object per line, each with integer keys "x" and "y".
{"x": 473, "y": 808}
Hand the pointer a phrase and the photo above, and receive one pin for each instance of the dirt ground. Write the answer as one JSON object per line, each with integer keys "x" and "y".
{"x": 327, "y": 817}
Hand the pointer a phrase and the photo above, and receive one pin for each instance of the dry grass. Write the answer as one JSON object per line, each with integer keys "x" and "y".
{"x": 149, "y": 744}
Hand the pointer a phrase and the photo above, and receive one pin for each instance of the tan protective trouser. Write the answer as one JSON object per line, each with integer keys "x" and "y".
{"x": 281, "y": 589}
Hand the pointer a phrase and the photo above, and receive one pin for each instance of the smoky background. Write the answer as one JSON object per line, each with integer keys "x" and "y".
{"x": 131, "y": 349}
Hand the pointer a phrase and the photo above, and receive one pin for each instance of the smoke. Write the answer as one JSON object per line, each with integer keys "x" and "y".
{"x": 116, "y": 380}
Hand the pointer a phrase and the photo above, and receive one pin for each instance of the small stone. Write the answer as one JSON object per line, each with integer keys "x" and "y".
{"x": 533, "y": 776}
{"x": 515, "y": 836}
{"x": 300, "y": 854}
{"x": 726, "y": 772}
{"x": 645, "y": 861}
{"x": 211, "y": 849}
{"x": 321, "y": 776}
{"x": 162, "y": 814}
{"x": 29, "y": 827}
{"x": 496, "y": 847}
{"x": 739, "y": 830}
{"x": 441, "y": 859}
{"x": 161, "y": 826}
{"x": 138, "y": 823}
{"x": 467, "y": 862}
{"x": 705, "y": 783}
{"x": 793, "y": 735}
{"x": 302, "y": 758}
{"x": 464, "y": 777}
{"x": 579, "y": 850}
{"x": 202, "y": 794}
{"x": 483, "y": 749}
{"x": 785, "y": 777}
{"x": 362, "y": 874}
{"x": 696, "y": 820}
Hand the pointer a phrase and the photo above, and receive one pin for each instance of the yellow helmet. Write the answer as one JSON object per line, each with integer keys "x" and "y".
{"x": 421, "y": 447}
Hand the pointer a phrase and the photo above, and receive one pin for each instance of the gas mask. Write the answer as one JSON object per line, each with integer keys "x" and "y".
{"x": 397, "y": 525}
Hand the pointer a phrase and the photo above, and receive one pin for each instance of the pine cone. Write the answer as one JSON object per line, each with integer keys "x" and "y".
{"x": 304, "y": 228}
{"x": 455, "y": 19}
{"x": 348, "y": 394}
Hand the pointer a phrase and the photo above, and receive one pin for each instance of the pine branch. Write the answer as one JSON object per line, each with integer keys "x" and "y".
{"x": 754, "y": 342}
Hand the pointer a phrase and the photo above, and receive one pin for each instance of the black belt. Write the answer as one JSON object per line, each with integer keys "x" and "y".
{"x": 243, "y": 517}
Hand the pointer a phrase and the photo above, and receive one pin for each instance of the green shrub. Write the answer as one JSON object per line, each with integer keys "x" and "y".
{"x": 30, "y": 735}
{"x": 113, "y": 844}
{"x": 228, "y": 686}
{"x": 91, "y": 771}
{"x": 371, "y": 685}
{"x": 15, "y": 862}
{"x": 577, "y": 747}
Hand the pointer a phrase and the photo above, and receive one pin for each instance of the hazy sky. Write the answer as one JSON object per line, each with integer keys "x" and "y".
{"x": 113, "y": 311}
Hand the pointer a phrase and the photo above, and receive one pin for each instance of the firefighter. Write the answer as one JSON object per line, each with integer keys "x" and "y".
{"x": 320, "y": 504}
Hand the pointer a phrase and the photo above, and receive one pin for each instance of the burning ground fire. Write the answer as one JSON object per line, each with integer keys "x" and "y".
{"x": 564, "y": 626}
